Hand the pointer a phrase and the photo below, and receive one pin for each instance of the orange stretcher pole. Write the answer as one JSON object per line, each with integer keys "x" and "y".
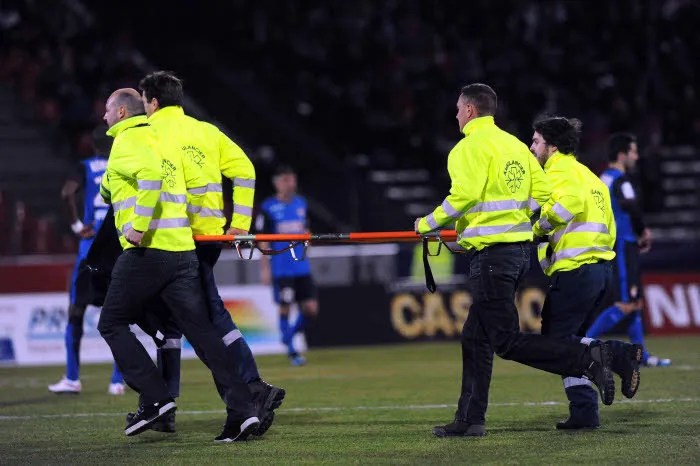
{"x": 368, "y": 237}
{"x": 251, "y": 243}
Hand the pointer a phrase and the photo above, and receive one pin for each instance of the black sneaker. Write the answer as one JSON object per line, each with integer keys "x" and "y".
{"x": 570, "y": 424}
{"x": 266, "y": 398}
{"x": 599, "y": 371}
{"x": 626, "y": 363}
{"x": 265, "y": 423}
{"x": 460, "y": 429}
{"x": 238, "y": 431}
{"x": 145, "y": 416}
{"x": 164, "y": 424}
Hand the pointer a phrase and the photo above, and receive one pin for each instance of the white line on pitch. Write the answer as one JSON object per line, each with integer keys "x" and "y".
{"x": 348, "y": 408}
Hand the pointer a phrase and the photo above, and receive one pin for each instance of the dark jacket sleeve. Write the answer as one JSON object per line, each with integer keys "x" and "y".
{"x": 100, "y": 260}
{"x": 623, "y": 191}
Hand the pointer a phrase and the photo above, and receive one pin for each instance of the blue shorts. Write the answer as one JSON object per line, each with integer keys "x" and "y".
{"x": 627, "y": 275}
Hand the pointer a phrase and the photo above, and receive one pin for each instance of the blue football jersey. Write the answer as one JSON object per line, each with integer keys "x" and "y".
{"x": 280, "y": 217}
{"x": 624, "y": 204}
{"x": 95, "y": 209}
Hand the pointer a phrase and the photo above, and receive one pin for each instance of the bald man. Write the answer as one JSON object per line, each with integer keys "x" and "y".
{"x": 148, "y": 191}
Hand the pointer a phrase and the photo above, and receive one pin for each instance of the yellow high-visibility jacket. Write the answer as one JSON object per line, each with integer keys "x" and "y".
{"x": 578, "y": 218}
{"x": 215, "y": 154}
{"x": 147, "y": 189}
{"x": 497, "y": 185}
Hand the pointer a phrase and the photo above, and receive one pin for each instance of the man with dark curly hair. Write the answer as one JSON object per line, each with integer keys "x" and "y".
{"x": 578, "y": 228}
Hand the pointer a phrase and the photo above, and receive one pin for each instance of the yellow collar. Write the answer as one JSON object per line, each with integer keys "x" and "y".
{"x": 554, "y": 158}
{"x": 165, "y": 112}
{"x": 477, "y": 123}
{"x": 123, "y": 125}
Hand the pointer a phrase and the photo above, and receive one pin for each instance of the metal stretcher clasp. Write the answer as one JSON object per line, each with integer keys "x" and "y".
{"x": 253, "y": 245}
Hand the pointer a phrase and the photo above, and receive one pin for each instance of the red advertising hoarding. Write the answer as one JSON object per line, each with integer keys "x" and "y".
{"x": 672, "y": 303}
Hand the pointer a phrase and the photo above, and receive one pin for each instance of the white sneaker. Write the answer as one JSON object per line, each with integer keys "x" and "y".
{"x": 66, "y": 386}
{"x": 655, "y": 361}
{"x": 116, "y": 389}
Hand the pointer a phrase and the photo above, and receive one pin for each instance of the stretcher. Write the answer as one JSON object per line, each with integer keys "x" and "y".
{"x": 245, "y": 245}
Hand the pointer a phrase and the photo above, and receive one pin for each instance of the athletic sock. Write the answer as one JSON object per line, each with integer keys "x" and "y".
{"x": 605, "y": 322}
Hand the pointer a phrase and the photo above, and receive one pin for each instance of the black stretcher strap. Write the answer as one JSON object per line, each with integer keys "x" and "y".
{"x": 429, "y": 280}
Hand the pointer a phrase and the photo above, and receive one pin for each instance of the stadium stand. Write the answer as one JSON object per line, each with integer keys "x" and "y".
{"x": 359, "y": 97}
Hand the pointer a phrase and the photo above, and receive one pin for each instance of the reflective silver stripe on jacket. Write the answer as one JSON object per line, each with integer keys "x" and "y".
{"x": 158, "y": 223}
{"x": 561, "y": 211}
{"x": 168, "y": 223}
{"x": 200, "y": 190}
{"x": 243, "y": 183}
{"x": 496, "y": 229}
{"x": 545, "y": 225}
{"x": 124, "y": 204}
{"x": 495, "y": 206}
{"x": 150, "y": 185}
{"x": 143, "y": 211}
{"x": 242, "y": 210}
{"x": 209, "y": 188}
{"x": 174, "y": 198}
{"x": 215, "y": 188}
{"x": 449, "y": 210}
{"x": 205, "y": 211}
{"x": 570, "y": 253}
{"x": 533, "y": 204}
{"x": 431, "y": 221}
{"x": 581, "y": 227}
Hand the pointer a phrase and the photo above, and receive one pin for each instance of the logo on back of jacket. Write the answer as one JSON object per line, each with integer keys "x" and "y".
{"x": 195, "y": 155}
{"x": 514, "y": 174}
{"x": 599, "y": 199}
{"x": 168, "y": 170}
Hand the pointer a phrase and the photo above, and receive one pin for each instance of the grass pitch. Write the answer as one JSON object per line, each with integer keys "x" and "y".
{"x": 367, "y": 405}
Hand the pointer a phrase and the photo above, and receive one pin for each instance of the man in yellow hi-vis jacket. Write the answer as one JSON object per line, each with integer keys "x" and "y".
{"x": 579, "y": 225}
{"x": 216, "y": 155}
{"x": 148, "y": 192}
{"x": 496, "y": 186}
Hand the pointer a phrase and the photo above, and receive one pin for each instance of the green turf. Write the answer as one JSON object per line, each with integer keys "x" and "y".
{"x": 377, "y": 394}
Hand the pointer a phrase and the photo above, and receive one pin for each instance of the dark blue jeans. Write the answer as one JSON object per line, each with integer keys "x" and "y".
{"x": 493, "y": 325}
{"x": 208, "y": 255}
{"x": 573, "y": 301}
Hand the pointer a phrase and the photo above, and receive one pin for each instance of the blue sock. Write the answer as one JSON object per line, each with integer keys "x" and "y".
{"x": 116, "y": 375}
{"x": 299, "y": 324}
{"x": 636, "y": 333}
{"x": 284, "y": 327}
{"x": 605, "y": 322}
{"x": 287, "y": 335}
{"x": 74, "y": 334}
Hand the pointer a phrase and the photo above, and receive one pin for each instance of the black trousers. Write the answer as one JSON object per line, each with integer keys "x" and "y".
{"x": 493, "y": 326}
{"x": 157, "y": 321}
{"x": 139, "y": 276}
{"x": 573, "y": 302}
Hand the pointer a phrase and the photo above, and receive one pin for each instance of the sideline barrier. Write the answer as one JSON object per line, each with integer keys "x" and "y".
{"x": 32, "y": 327}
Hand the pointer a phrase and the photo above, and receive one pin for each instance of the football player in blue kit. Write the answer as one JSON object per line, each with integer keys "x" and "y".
{"x": 633, "y": 238}
{"x": 87, "y": 177}
{"x": 285, "y": 213}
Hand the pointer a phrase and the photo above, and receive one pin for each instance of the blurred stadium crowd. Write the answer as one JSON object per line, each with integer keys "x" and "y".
{"x": 376, "y": 80}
